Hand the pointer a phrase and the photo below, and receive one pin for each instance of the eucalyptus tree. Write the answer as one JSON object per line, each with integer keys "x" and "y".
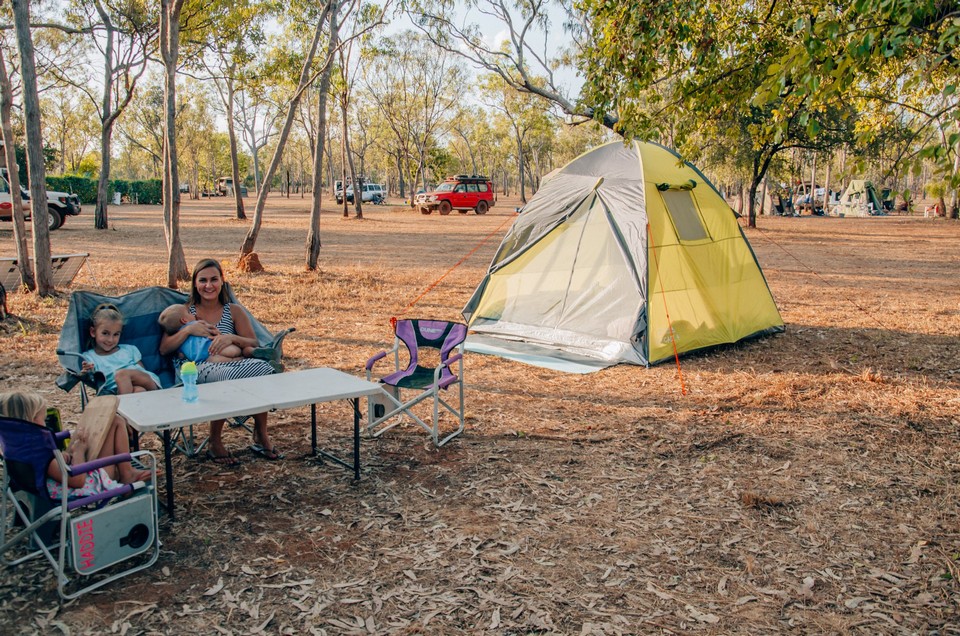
{"x": 257, "y": 113}
{"x": 311, "y": 69}
{"x": 343, "y": 82}
{"x": 529, "y": 59}
{"x": 13, "y": 176}
{"x": 417, "y": 87}
{"x": 70, "y": 124}
{"x": 522, "y": 113}
{"x": 908, "y": 50}
{"x": 142, "y": 129}
{"x": 170, "y": 36}
{"x": 233, "y": 47}
{"x": 203, "y": 151}
{"x": 36, "y": 170}
{"x": 124, "y": 33}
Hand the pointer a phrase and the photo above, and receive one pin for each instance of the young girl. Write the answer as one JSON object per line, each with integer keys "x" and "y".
{"x": 120, "y": 364}
{"x": 103, "y": 423}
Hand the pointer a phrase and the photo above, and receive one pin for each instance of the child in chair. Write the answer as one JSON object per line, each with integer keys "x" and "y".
{"x": 197, "y": 348}
{"x": 120, "y": 364}
{"x": 101, "y": 427}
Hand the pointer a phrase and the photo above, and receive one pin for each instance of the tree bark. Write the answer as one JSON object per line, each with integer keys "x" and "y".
{"x": 234, "y": 158}
{"x": 357, "y": 191}
{"x": 313, "y": 236}
{"x": 100, "y": 217}
{"x": 36, "y": 170}
{"x": 13, "y": 176}
{"x": 170, "y": 51}
{"x": 250, "y": 241}
{"x": 111, "y": 106}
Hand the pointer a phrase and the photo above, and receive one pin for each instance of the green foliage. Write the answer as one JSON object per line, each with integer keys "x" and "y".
{"x": 146, "y": 192}
{"x": 83, "y": 187}
{"x": 49, "y": 159}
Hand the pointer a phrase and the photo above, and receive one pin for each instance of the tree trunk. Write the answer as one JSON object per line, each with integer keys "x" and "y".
{"x": 313, "y": 236}
{"x": 234, "y": 159}
{"x": 36, "y": 171}
{"x": 826, "y": 185}
{"x": 752, "y": 200}
{"x": 343, "y": 163}
{"x": 955, "y": 193}
{"x": 813, "y": 184}
{"x": 13, "y": 175}
{"x": 100, "y": 219}
{"x": 523, "y": 182}
{"x": 250, "y": 241}
{"x": 170, "y": 51}
{"x": 357, "y": 191}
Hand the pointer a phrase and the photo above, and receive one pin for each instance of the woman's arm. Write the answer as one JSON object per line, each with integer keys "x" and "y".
{"x": 170, "y": 343}
{"x": 244, "y": 336}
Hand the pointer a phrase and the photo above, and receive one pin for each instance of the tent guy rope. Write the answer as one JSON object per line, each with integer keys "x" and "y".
{"x": 673, "y": 335}
{"x": 393, "y": 319}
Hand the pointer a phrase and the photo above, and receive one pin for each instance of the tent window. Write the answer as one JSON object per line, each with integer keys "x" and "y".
{"x": 684, "y": 214}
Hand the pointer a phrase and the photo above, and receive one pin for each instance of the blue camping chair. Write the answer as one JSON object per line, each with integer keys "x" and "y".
{"x": 84, "y": 540}
{"x": 446, "y": 339}
{"x": 140, "y": 310}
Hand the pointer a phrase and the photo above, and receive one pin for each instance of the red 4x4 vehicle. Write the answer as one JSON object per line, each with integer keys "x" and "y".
{"x": 462, "y": 193}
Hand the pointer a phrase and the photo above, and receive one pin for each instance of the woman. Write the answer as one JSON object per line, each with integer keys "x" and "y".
{"x": 225, "y": 324}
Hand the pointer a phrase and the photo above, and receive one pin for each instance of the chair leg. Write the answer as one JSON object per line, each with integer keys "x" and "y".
{"x": 185, "y": 441}
{"x": 375, "y": 427}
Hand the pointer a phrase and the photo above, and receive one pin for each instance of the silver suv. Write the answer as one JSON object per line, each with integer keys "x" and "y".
{"x": 372, "y": 192}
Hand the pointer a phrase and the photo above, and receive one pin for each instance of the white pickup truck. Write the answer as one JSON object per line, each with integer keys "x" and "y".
{"x": 60, "y": 205}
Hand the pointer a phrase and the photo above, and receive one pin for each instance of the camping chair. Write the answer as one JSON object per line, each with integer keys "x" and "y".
{"x": 79, "y": 538}
{"x": 140, "y": 310}
{"x": 417, "y": 335}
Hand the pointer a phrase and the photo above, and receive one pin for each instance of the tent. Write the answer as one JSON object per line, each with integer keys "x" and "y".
{"x": 859, "y": 199}
{"x": 628, "y": 254}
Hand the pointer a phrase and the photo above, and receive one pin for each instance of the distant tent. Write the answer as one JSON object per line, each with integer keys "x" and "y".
{"x": 624, "y": 255}
{"x": 859, "y": 199}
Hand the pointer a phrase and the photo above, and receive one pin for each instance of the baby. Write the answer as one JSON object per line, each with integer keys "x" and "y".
{"x": 197, "y": 348}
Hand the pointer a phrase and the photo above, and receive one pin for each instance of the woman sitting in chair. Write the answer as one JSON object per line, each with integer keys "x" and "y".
{"x": 225, "y": 324}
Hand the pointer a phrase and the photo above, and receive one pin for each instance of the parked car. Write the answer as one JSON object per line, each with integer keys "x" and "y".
{"x": 462, "y": 193}
{"x": 60, "y": 205}
{"x": 225, "y": 187}
{"x": 372, "y": 192}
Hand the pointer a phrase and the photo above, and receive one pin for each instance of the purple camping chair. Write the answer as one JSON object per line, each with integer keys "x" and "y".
{"x": 84, "y": 538}
{"x": 447, "y": 338}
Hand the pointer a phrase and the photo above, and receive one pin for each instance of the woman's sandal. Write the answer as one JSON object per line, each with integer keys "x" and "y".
{"x": 267, "y": 453}
{"x": 222, "y": 460}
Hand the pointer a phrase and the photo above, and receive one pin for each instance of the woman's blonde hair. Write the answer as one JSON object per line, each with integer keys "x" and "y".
{"x": 21, "y": 405}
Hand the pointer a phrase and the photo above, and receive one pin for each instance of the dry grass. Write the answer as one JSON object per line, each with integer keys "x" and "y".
{"x": 805, "y": 482}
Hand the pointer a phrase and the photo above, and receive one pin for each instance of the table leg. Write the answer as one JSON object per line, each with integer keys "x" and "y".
{"x": 356, "y": 438}
{"x": 168, "y": 465}
{"x": 313, "y": 429}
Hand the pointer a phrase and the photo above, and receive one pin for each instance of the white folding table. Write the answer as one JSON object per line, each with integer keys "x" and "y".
{"x": 164, "y": 411}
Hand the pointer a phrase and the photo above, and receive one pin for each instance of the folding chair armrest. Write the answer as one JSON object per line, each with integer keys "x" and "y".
{"x": 73, "y": 354}
{"x": 101, "y": 496}
{"x": 372, "y": 361}
{"x": 278, "y": 338}
{"x": 453, "y": 359}
{"x": 95, "y": 464}
{"x": 62, "y": 435}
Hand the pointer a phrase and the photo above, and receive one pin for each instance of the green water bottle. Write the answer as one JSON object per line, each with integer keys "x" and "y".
{"x": 188, "y": 373}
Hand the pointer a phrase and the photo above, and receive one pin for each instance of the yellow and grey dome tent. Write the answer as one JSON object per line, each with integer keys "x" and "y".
{"x": 627, "y": 254}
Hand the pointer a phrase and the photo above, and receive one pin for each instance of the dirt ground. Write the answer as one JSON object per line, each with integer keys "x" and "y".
{"x": 805, "y": 483}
